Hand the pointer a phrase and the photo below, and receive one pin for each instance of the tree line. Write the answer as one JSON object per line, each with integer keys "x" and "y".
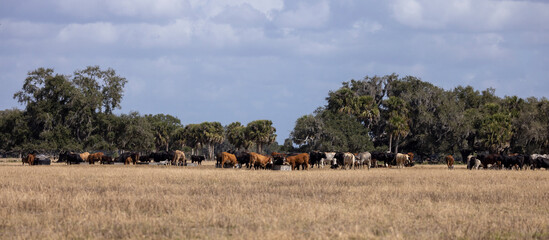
{"x": 75, "y": 113}
{"x": 383, "y": 113}
{"x": 379, "y": 113}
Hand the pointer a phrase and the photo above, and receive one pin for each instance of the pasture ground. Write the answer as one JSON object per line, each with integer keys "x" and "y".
{"x": 164, "y": 202}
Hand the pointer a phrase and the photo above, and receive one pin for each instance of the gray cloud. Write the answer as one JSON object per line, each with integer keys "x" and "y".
{"x": 245, "y": 60}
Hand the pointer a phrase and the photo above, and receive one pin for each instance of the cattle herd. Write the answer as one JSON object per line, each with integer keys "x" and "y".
{"x": 343, "y": 160}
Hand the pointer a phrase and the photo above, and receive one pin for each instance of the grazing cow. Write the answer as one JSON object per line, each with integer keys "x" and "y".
{"x": 227, "y": 158}
{"x": 365, "y": 158}
{"x": 329, "y": 158}
{"x": 133, "y": 158}
{"x": 301, "y": 159}
{"x": 514, "y": 160}
{"x": 449, "y": 161}
{"x": 198, "y": 159}
{"x": 410, "y": 162}
{"x": 348, "y": 160}
{"x": 540, "y": 162}
{"x": 315, "y": 157}
{"x": 70, "y": 158}
{"x": 260, "y": 161}
{"x": 106, "y": 160}
{"x": 29, "y": 159}
{"x": 278, "y": 158}
{"x": 493, "y": 159}
{"x": 161, "y": 156}
{"x": 178, "y": 157}
{"x": 84, "y": 156}
{"x": 401, "y": 159}
{"x": 243, "y": 158}
{"x": 92, "y": 158}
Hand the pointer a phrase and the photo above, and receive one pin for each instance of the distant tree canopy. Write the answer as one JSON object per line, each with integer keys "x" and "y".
{"x": 377, "y": 113}
{"x": 407, "y": 113}
{"x": 76, "y": 113}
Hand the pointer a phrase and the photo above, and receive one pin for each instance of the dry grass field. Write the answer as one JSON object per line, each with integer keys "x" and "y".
{"x": 159, "y": 202}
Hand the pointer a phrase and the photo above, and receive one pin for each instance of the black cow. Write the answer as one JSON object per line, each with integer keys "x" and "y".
{"x": 198, "y": 159}
{"x": 339, "y": 160}
{"x": 541, "y": 162}
{"x": 144, "y": 158}
{"x": 389, "y": 159}
{"x": 315, "y": 157}
{"x": 493, "y": 159}
{"x": 70, "y": 158}
{"x": 278, "y": 158}
{"x": 161, "y": 156}
{"x": 511, "y": 161}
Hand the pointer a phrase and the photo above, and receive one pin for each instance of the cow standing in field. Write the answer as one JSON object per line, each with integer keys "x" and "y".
{"x": 106, "y": 160}
{"x": 197, "y": 158}
{"x": 84, "y": 156}
{"x": 179, "y": 157}
{"x": 315, "y": 157}
{"x": 133, "y": 158}
{"x": 29, "y": 159}
{"x": 329, "y": 158}
{"x": 490, "y": 159}
{"x": 299, "y": 160}
{"x": 401, "y": 159}
{"x": 473, "y": 162}
{"x": 348, "y": 160}
{"x": 92, "y": 158}
{"x": 449, "y": 161}
{"x": 70, "y": 158}
{"x": 226, "y": 158}
{"x": 260, "y": 161}
{"x": 365, "y": 158}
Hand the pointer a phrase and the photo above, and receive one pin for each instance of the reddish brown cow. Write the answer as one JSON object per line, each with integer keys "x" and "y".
{"x": 227, "y": 158}
{"x": 29, "y": 159}
{"x": 449, "y": 161}
{"x": 299, "y": 160}
{"x": 258, "y": 160}
{"x": 92, "y": 158}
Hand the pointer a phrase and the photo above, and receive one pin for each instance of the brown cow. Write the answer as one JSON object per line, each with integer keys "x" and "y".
{"x": 29, "y": 159}
{"x": 84, "y": 156}
{"x": 299, "y": 160}
{"x": 128, "y": 161}
{"x": 92, "y": 158}
{"x": 178, "y": 157}
{"x": 449, "y": 161}
{"x": 258, "y": 160}
{"x": 106, "y": 160}
{"x": 226, "y": 157}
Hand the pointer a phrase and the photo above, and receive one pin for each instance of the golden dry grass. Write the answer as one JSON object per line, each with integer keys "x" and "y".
{"x": 158, "y": 202}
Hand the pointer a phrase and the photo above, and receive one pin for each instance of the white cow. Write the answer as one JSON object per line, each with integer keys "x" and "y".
{"x": 348, "y": 160}
{"x": 329, "y": 158}
{"x": 401, "y": 159}
{"x": 365, "y": 158}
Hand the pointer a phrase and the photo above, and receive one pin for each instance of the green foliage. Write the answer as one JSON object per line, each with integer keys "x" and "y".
{"x": 261, "y": 132}
{"x": 427, "y": 119}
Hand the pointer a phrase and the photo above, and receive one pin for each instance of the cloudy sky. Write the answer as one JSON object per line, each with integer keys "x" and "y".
{"x": 243, "y": 60}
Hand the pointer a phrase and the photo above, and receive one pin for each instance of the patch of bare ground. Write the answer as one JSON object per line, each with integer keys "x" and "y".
{"x": 423, "y": 202}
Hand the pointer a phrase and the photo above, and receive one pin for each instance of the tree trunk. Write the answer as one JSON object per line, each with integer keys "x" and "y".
{"x": 396, "y": 144}
{"x": 390, "y": 142}
{"x": 259, "y": 148}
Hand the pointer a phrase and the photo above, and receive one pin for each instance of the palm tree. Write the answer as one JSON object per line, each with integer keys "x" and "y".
{"x": 261, "y": 132}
